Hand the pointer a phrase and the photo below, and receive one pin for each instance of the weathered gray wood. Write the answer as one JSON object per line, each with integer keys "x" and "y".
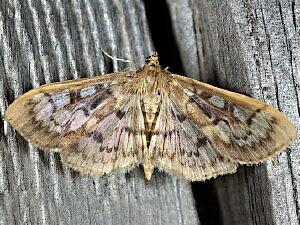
{"x": 250, "y": 47}
{"x": 255, "y": 50}
{"x": 46, "y": 41}
{"x": 192, "y": 39}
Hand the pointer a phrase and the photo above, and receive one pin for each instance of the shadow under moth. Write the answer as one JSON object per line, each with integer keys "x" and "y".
{"x": 150, "y": 117}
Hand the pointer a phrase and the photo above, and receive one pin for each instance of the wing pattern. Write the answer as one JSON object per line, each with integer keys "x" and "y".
{"x": 96, "y": 125}
{"x": 181, "y": 147}
{"x": 150, "y": 117}
{"x": 240, "y": 128}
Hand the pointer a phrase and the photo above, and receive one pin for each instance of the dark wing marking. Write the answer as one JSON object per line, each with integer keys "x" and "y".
{"x": 239, "y": 128}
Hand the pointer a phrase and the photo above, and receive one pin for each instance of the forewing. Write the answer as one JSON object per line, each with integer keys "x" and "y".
{"x": 181, "y": 147}
{"x": 80, "y": 119}
{"x": 238, "y": 127}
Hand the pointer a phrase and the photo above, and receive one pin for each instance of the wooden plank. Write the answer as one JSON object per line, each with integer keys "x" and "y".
{"x": 46, "y": 41}
{"x": 253, "y": 48}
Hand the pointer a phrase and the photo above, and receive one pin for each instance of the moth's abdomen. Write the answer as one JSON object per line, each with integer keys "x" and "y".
{"x": 150, "y": 107}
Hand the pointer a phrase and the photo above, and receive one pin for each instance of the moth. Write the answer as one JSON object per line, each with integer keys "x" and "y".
{"x": 150, "y": 117}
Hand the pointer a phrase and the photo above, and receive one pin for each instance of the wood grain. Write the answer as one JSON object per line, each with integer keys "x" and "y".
{"x": 247, "y": 47}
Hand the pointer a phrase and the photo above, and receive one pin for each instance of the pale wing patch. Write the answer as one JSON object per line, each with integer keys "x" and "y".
{"x": 240, "y": 128}
{"x": 68, "y": 110}
{"x": 179, "y": 146}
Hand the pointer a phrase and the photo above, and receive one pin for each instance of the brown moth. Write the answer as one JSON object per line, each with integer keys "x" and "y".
{"x": 150, "y": 117}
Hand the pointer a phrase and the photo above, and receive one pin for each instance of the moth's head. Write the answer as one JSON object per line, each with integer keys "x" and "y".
{"x": 151, "y": 62}
{"x": 150, "y": 74}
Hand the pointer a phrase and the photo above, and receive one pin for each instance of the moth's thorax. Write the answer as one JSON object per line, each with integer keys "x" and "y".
{"x": 150, "y": 80}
